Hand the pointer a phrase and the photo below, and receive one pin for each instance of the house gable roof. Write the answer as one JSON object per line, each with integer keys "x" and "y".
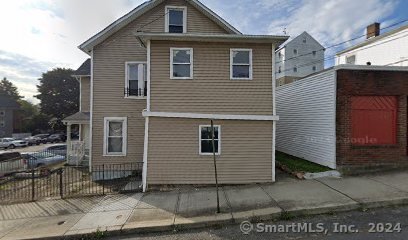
{"x": 84, "y": 69}
{"x": 373, "y": 40}
{"x": 7, "y": 102}
{"x": 299, "y": 36}
{"x": 140, "y": 10}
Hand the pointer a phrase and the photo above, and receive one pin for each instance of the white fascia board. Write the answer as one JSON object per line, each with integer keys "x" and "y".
{"x": 211, "y": 116}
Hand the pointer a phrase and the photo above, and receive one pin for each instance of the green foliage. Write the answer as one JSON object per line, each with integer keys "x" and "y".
{"x": 299, "y": 165}
{"x": 59, "y": 95}
{"x": 7, "y": 88}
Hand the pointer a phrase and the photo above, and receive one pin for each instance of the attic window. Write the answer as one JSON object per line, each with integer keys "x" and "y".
{"x": 176, "y": 19}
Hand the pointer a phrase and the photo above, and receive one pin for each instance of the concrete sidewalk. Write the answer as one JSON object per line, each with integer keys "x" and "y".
{"x": 196, "y": 207}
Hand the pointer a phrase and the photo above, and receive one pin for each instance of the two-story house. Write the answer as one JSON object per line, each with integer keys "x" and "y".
{"x": 381, "y": 49}
{"x": 298, "y": 58}
{"x": 159, "y": 74}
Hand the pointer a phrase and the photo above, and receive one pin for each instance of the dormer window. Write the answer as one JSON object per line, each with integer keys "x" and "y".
{"x": 176, "y": 19}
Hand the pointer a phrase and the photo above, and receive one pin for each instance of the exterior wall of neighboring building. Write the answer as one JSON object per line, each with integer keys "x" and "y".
{"x": 297, "y": 59}
{"x": 370, "y": 83}
{"x": 174, "y": 157}
{"x": 109, "y": 60}
{"x": 391, "y": 50}
{"x": 211, "y": 90}
{"x": 307, "y": 110}
{"x": 6, "y": 122}
{"x": 85, "y": 94}
{"x": 286, "y": 80}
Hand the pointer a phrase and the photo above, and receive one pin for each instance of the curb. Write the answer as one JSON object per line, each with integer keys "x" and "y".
{"x": 266, "y": 214}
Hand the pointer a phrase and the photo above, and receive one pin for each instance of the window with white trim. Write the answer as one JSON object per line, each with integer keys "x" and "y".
{"x": 206, "y": 147}
{"x": 241, "y": 64}
{"x": 115, "y": 136}
{"x": 176, "y": 19}
{"x": 181, "y": 63}
{"x": 136, "y": 81}
{"x": 351, "y": 59}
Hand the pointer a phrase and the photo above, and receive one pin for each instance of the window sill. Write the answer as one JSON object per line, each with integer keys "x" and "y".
{"x": 209, "y": 154}
{"x": 181, "y": 78}
{"x": 244, "y": 79}
{"x": 140, "y": 98}
{"x": 114, "y": 155}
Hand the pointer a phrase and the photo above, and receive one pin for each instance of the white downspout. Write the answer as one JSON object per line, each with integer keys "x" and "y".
{"x": 146, "y": 136}
{"x": 273, "y": 112}
{"x": 91, "y": 111}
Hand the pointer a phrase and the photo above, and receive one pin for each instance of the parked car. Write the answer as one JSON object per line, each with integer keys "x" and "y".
{"x": 33, "y": 140}
{"x": 41, "y": 159}
{"x": 57, "y": 149}
{"x": 57, "y": 137}
{"x": 10, "y": 162}
{"x": 11, "y": 143}
{"x": 43, "y": 137}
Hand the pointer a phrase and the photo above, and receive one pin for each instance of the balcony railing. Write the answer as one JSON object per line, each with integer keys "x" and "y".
{"x": 139, "y": 92}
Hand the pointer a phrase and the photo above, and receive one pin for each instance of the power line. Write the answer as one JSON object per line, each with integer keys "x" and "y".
{"x": 341, "y": 43}
{"x": 334, "y": 56}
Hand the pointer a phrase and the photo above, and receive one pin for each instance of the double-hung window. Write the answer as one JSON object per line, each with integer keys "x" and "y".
{"x": 115, "y": 136}
{"x": 181, "y": 63}
{"x": 176, "y": 19}
{"x": 206, "y": 147}
{"x": 136, "y": 81}
{"x": 241, "y": 64}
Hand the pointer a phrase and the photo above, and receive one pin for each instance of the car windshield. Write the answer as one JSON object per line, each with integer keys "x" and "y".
{"x": 43, "y": 155}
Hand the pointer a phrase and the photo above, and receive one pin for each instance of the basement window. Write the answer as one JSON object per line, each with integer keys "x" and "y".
{"x": 176, "y": 19}
{"x": 205, "y": 140}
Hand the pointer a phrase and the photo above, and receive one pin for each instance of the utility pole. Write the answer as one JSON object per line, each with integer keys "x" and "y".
{"x": 215, "y": 165}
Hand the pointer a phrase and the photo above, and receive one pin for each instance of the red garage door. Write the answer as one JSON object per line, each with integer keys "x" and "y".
{"x": 374, "y": 120}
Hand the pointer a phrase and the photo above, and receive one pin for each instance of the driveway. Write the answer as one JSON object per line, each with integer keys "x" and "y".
{"x": 34, "y": 148}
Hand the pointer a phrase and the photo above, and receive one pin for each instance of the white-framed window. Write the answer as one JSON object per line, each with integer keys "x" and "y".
{"x": 136, "y": 80}
{"x": 181, "y": 63}
{"x": 176, "y": 19}
{"x": 115, "y": 136}
{"x": 205, "y": 140}
{"x": 241, "y": 64}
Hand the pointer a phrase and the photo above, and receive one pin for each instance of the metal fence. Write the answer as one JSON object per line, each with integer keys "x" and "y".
{"x": 70, "y": 181}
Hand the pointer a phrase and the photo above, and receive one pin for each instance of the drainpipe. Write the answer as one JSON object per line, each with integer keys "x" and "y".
{"x": 273, "y": 112}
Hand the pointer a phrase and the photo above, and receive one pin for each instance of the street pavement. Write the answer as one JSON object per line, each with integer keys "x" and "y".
{"x": 185, "y": 209}
{"x": 360, "y": 219}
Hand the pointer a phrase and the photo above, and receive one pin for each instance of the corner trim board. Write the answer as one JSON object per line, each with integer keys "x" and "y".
{"x": 211, "y": 116}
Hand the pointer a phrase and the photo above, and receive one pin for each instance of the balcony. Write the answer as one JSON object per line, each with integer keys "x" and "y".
{"x": 135, "y": 92}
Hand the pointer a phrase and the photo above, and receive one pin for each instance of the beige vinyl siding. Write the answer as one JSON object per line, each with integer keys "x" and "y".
{"x": 211, "y": 90}
{"x": 85, "y": 94}
{"x": 246, "y": 152}
{"x": 109, "y": 78}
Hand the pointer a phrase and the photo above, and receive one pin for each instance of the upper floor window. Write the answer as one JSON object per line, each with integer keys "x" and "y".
{"x": 295, "y": 69}
{"x": 176, "y": 19}
{"x": 181, "y": 65}
{"x": 314, "y": 68}
{"x": 314, "y": 53}
{"x": 241, "y": 64}
{"x": 136, "y": 81}
{"x": 351, "y": 59}
{"x": 295, "y": 51}
{"x": 280, "y": 69}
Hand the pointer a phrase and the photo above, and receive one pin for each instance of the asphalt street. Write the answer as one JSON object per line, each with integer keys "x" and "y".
{"x": 388, "y": 223}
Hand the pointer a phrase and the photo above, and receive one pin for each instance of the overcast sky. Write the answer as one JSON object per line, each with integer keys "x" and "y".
{"x": 38, "y": 35}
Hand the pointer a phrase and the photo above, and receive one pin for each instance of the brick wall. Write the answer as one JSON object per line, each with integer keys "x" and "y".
{"x": 370, "y": 83}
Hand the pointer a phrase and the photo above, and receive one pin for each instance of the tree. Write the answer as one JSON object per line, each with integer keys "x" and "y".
{"x": 59, "y": 94}
{"x": 7, "y": 88}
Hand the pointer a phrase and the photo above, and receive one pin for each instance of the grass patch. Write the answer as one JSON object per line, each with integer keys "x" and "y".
{"x": 299, "y": 165}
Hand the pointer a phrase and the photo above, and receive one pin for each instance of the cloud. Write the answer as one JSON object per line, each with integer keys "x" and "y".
{"x": 333, "y": 21}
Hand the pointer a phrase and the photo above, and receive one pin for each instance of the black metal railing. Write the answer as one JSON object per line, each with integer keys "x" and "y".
{"x": 70, "y": 181}
{"x": 138, "y": 92}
